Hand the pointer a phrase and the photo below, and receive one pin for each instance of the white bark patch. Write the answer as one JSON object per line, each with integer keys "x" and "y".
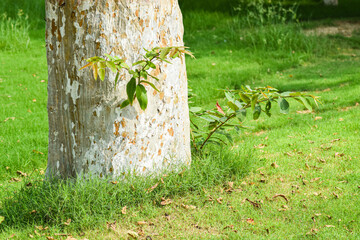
{"x": 72, "y": 89}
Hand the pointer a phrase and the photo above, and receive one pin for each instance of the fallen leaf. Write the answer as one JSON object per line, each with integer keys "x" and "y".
{"x": 191, "y": 207}
{"x": 229, "y": 226}
{"x": 281, "y": 195}
{"x": 165, "y": 202}
{"x": 111, "y": 225}
{"x": 152, "y": 188}
{"x": 37, "y": 152}
{"x": 341, "y": 119}
{"x": 219, "y": 200}
{"x": 133, "y": 234}
{"x": 250, "y": 221}
{"x": 22, "y": 174}
{"x": 255, "y": 204}
{"x": 114, "y": 182}
{"x": 123, "y": 210}
{"x": 304, "y": 112}
{"x": 260, "y": 146}
{"x": 71, "y": 238}
{"x": 50, "y": 238}
{"x": 167, "y": 216}
{"x": 339, "y": 154}
{"x": 335, "y": 140}
{"x": 9, "y": 118}
{"x": 315, "y": 179}
{"x": 274, "y": 165}
{"x": 141, "y": 223}
{"x": 31, "y": 236}
{"x": 231, "y": 184}
{"x": 33, "y": 211}
{"x": 336, "y": 195}
{"x": 34, "y": 100}
{"x": 307, "y": 166}
{"x": 67, "y": 223}
{"x": 318, "y": 118}
{"x": 329, "y": 226}
{"x": 42, "y": 81}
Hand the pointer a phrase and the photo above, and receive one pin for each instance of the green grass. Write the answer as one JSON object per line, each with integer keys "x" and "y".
{"x": 318, "y": 159}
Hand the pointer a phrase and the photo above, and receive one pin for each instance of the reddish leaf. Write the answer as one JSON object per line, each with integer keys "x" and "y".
{"x": 220, "y": 110}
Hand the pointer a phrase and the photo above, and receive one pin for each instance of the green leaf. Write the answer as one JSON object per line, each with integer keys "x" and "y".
{"x": 109, "y": 57}
{"x": 141, "y": 96}
{"x": 232, "y": 105}
{"x": 284, "y": 106}
{"x": 306, "y": 103}
{"x": 151, "y": 64}
{"x": 144, "y": 74}
{"x": 102, "y": 67}
{"x": 254, "y": 100}
{"x": 256, "y": 112}
{"x": 125, "y": 103}
{"x": 244, "y": 98}
{"x": 164, "y": 52}
{"x": 229, "y": 96}
{"x": 151, "y": 84}
{"x": 241, "y": 114}
{"x": 117, "y": 78}
{"x": 195, "y": 109}
{"x": 112, "y": 66}
{"x": 141, "y": 63}
{"x": 2, "y": 219}
{"x": 130, "y": 90}
{"x": 268, "y": 106}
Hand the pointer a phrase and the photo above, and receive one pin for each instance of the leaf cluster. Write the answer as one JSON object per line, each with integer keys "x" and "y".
{"x": 238, "y": 104}
{"x": 139, "y": 71}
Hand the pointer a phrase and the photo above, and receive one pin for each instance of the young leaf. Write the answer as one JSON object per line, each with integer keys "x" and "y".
{"x": 151, "y": 84}
{"x": 130, "y": 90}
{"x": 102, "y": 66}
{"x": 95, "y": 71}
{"x": 141, "y": 96}
{"x": 306, "y": 103}
{"x": 117, "y": 78}
{"x": 195, "y": 109}
{"x": 241, "y": 114}
{"x": 220, "y": 110}
{"x": 125, "y": 103}
{"x": 87, "y": 65}
{"x": 256, "y": 112}
{"x": 284, "y": 106}
{"x": 112, "y": 66}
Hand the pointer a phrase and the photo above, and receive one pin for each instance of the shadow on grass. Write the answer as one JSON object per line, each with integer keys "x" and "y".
{"x": 88, "y": 202}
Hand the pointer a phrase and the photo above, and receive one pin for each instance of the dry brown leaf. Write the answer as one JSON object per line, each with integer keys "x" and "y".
{"x": 335, "y": 140}
{"x": 133, "y": 234}
{"x": 231, "y": 184}
{"x": 70, "y": 238}
{"x": 50, "y": 238}
{"x": 67, "y": 223}
{"x": 281, "y": 195}
{"x": 191, "y": 207}
{"x": 37, "y": 152}
{"x": 274, "y": 165}
{"x": 318, "y": 118}
{"x": 123, "y": 210}
{"x": 260, "y": 146}
{"x": 152, "y": 188}
{"x": 141, "y": 223}
{"x": 111, "y": 225}
{"x": 21, "y": 174}
{"x": 31, "y": 236}
{"x": 336, "y": 195}
{"x": 255, "y": 204}
{"x": 219, "y": 200}
{"x": 315, "y": 179}
{"x": 229, "y": 226}
{"x": 250, "y": 221}
{"x": 341, "y": 119}
{"x": 15, "y": 180}
{"x": 307, "y": 166}
{"x": 33, "y": 211}
{"x": 304, "y": 112}
{"x": 34, "y": 100}
{"x": 329, "y": 226}
{"x": 339, "y": 154}
{"x": 9, "y": 118}
{"x": 165, "y": 202}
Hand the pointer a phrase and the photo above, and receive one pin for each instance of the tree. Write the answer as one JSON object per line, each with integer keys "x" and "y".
{"x": 89, "y": 134}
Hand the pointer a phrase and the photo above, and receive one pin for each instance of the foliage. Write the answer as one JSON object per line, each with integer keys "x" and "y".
{"x": 14, "y": 32}
{"x": 237, "y": 101}
{"x": 135, "y": 88}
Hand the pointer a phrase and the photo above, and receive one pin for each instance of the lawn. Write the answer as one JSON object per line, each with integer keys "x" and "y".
{"x": 292, "y": 176}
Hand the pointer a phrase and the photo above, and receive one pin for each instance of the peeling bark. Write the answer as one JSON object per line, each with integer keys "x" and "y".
{"x": 88, "y": 133}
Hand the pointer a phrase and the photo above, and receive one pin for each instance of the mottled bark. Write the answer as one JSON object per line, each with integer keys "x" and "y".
{"x": 331, "y": 2}
{"x": 88, "y": 132}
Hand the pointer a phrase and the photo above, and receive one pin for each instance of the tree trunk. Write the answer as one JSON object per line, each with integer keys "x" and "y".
{"x": 331, "y": 2}
{"x": 88, "y": 133}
